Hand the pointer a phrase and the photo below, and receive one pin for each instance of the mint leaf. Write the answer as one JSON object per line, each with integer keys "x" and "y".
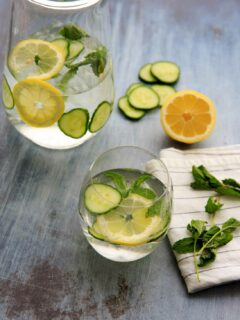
{"x": 156, "y": 208}
{"x": 210, "y": 233}
{"x": 231, "y": 182}
{"x": 221, "y": 240}
{"x": 97, "y": 59}
{"x": 140, "y": 180}
{"x": 197, "y": 227}
{"x": 185, "y": 245}
{"x": 204, "y": 180}
{"x": 208, "y": 256}
{"x": 145, "y": 192}
{"x": 119, "y": 182}
{"x": 230, "y": 225}
{"x": 228, "y": 191}
{"x": 213, "y": 205}
{"x": 73, "y": 32}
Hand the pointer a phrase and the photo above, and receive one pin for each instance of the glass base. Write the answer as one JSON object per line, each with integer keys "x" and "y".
{"x": 52, "y": 137}
{"x": 120, "y": 253}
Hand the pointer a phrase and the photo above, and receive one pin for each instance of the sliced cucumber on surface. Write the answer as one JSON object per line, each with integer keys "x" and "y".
{"x": 100, "y": 116}
{"x": 129, "y": 111}
{"x": 63, "y": 44}
{"x": 143, "y": 98}
{"x": 146, "y": 75}
{"x": 101, "y": 198}
{"x": 132, "y": 87}
{"x": 166, "y": 71}
{"x": 163, "y": 91}
{"x": 74, "y": 123}
{"x": 7, "y": 95}
{"x": 75, "y": 48}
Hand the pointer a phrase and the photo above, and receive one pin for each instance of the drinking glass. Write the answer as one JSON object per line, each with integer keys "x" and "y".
{"x": 125, "y": 203}
{"x": 57, "y": 84}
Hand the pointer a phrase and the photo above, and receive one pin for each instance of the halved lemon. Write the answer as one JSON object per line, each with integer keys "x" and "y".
{"x": 188, "y": 116}
{"x": 38, "y": 103}
{"x": 128, "y": 224}
{"x": 36, "y": 58}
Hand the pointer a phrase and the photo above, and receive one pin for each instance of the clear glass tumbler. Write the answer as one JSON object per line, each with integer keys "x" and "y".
{"x": 58, "y": 85}
{"x": 125, "y": 203}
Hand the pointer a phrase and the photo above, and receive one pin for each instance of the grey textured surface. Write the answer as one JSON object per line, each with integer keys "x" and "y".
{"x": 47, "y": 269}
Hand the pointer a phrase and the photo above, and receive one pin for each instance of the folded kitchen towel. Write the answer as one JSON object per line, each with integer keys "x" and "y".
{"x": 188, "y": 204}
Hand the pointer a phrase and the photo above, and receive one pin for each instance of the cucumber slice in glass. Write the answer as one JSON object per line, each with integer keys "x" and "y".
{"x": 143, "y": 98}
{"x": 7, "y": 95}
{"x": 101, "y": 198}
{"x": 63, "y": 44}
{"x": 128, "y": 111}
{"x": 74, "y": 123}
{"x": 132, "y": 87}
{"x": 146, "y": 75}
{"x": 100, "y": 116}
{"x": 166, "y": 71}
{"x": 75, "y": 48}
{"x": 163, "y": 91}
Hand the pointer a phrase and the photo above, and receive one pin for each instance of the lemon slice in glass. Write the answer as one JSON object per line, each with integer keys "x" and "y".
{"x": 36, "y": 58}
{"x": 128, "y": 224}
{"x": 38, "y": 103}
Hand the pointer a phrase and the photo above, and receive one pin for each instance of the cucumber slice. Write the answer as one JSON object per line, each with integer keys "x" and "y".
{"x": 95, "y": 233}
{"x": 100, "y": 116}
{"x": 7, "y": 95}
{"x": 132, "y": 87}
{"x": 166, "y": 71}
{"x": 101, "y": 198}
{"x": 146, "y": 75}
{"x": 129, "y": 111}
{"x": 75, "y": 48}
{"x": 64, "y": 44}
{"x": 143, "y": 98}
{"x": 74, "y": 123}
{"x": 163, "y": 91}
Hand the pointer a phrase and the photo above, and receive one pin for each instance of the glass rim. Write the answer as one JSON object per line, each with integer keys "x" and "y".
{"x": 154, "y": 157}
{"x": 60, "y": 5}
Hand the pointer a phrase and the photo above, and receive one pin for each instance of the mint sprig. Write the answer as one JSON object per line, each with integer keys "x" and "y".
{"x": 72, "y": 31}
{"x": 204, "y": 180}
{"x": 204, "y": 243}
{"x": 213, "y": 205}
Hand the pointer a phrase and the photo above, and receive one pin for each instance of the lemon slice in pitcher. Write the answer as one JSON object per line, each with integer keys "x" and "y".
{"x": 128, "y": 224}
{"x": 36, "y": 58}
{"x": 38, "y": 103}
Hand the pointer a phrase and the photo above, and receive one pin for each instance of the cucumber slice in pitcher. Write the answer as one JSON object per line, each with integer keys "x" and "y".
{"x": 100, "y": 116}
{"x": 166, "y": 71}
{"x": 7, "y": 95}
{"x": 74, "y": 123}
{"x": 146, "y": 75}
{"x": 75, "y": 48}
{"x": 101, "y": 198}
{"x": 128, "y": 111}
{"x": 143, "y": 98}
{"x": 62, "y": 43}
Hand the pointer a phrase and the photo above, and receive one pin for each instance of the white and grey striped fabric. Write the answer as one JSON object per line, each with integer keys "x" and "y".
{"x": 188, "y": 204}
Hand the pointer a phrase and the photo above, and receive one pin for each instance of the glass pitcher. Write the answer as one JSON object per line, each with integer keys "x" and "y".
{"x": 58, "y": 86}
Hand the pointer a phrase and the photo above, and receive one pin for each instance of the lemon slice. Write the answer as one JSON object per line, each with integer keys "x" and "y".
{"x": 128, "y": 224}
{"x": 36, "y": 58}
{"x": 38, "y": 103}
{"x": 188, "y": 116}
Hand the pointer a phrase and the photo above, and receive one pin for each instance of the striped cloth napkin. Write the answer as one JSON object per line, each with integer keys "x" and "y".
{"x": 188, "y": 204}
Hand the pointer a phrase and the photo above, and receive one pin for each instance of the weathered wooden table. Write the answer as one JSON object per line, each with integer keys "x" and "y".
{"x": 47, "y": 269}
